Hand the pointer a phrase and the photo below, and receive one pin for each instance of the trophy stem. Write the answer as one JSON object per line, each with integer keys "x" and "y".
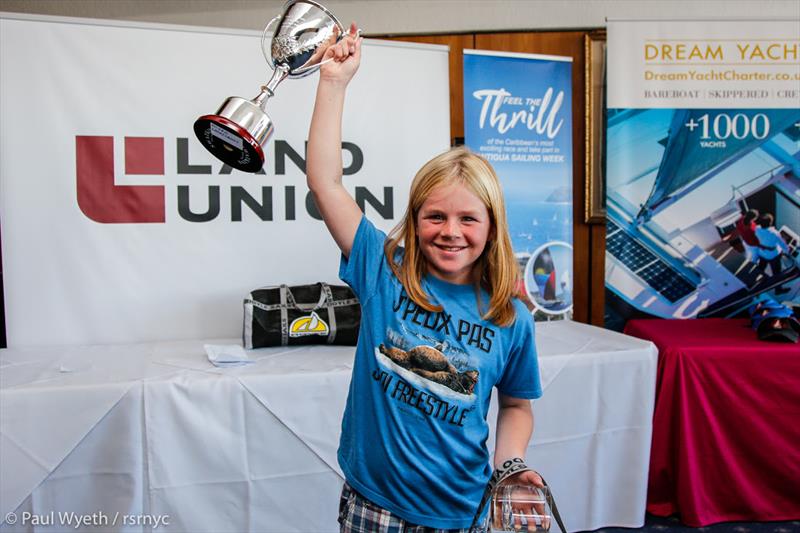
{"x": 268, "y": 91}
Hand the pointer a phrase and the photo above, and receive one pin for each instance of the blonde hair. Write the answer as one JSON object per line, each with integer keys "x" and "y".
{"x": 496, "y": 265}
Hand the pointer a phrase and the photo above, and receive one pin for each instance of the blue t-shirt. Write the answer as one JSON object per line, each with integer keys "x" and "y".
{"x": 414, "y": 430}
{"x": 771, "y": 241}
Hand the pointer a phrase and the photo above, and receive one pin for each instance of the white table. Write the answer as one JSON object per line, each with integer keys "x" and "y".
{"x": 137, "y": 436}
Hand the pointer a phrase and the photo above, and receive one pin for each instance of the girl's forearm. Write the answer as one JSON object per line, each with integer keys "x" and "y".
{"x": 514, "y": 430}
{"x": 324, "y": 158}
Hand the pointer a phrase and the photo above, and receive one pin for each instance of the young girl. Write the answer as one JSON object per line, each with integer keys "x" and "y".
{"x": 439, "y": 329}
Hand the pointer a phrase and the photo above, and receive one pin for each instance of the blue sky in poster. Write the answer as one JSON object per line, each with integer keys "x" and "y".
{"x": 517, "y": 114}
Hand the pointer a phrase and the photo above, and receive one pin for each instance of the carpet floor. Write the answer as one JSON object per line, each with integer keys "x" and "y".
{"x": 672, "y": 524}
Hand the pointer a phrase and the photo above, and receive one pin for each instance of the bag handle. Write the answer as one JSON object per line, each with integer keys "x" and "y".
{"x": 330, "y": 302}
{"x": 326, "y": 290}
{"x": 285, "y": 294}
{"x": 508, "y": 469}
{"x": 323, "y": 296}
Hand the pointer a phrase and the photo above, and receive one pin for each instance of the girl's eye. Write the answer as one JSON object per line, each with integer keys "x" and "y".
{"x": 469, "y": 219}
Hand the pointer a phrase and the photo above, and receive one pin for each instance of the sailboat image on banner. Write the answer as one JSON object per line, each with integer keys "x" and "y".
{"x": 548, "y": 280}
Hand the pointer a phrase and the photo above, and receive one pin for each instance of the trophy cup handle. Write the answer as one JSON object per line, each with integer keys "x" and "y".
{"x": 266, "y": 51}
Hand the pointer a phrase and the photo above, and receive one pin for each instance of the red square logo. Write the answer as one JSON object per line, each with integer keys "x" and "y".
{"x": 144, "y": 155}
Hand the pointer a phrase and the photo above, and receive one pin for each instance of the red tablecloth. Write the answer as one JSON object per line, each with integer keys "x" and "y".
{"x": 726, "y": 429}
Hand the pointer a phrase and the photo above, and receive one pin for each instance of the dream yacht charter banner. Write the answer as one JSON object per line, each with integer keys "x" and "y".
{"x": 518, "y": 115}
{"x": 703, "y": 126}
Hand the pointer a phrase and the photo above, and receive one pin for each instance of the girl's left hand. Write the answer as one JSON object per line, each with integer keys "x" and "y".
{"x": 529, "y": 477}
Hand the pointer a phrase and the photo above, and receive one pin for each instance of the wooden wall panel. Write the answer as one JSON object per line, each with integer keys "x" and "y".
{"x": 597, "y": 286}
{"x": 457, "y": 44}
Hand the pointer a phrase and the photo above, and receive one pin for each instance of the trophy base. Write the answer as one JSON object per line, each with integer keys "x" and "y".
{"x": 230, "y": 143}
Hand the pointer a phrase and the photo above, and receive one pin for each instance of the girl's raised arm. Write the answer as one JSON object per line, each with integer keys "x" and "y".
{"x": 324, "y": 160}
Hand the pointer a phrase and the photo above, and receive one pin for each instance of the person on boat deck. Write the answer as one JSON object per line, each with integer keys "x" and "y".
{"x": 772, "y": 246}
{"x": 746, "y": 229}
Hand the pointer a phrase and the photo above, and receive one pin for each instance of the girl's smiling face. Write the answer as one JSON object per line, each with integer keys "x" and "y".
{"x": 453, "y": 226}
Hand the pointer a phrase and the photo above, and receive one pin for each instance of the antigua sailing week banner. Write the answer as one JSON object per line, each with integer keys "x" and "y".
{"x": 703, "y": 127}
{"x": 517, "y": 114}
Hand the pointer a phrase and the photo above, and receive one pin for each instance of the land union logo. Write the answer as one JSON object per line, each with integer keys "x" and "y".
{"x": 308, "y": 325}
{"x": 102, "y": 200}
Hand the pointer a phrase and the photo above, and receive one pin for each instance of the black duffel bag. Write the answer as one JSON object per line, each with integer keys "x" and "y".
{"x": 301, "y": 314}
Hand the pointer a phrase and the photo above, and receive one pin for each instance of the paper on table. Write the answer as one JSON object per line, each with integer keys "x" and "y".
{"x": 224, "y": 355}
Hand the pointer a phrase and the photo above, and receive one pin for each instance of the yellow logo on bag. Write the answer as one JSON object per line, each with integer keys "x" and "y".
{"x": 308, "y": 325}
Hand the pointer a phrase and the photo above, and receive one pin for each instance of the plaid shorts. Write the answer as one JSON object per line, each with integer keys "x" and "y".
{"x": 359, "y": 515}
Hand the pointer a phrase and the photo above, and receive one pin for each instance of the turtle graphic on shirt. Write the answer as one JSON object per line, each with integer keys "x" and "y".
{"x": 431, "y": 364}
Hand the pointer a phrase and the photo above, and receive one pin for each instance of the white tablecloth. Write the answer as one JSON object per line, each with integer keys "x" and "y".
{"x": 153, "y": 437}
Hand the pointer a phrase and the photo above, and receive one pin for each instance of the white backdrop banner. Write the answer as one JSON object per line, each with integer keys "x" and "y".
{"x": 118, "y": 226}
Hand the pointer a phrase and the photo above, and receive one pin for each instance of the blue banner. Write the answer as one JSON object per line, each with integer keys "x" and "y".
{"x": 518, "y": 115}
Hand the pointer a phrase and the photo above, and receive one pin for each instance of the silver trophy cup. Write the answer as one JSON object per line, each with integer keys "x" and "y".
{"x": 240, "y": 129}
